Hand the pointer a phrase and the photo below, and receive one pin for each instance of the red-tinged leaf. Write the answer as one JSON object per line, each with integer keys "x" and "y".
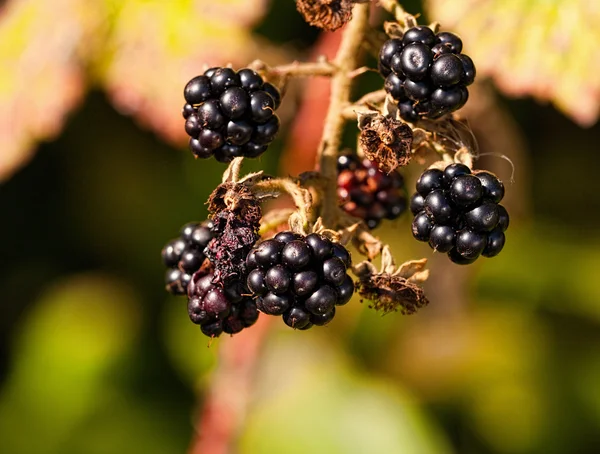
{"x": 41, "y": 78}
{"x": 538, "y": 48}
{"x": 155, "y": 47}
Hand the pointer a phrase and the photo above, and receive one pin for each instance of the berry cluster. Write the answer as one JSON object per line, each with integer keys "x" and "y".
{"x": 458, "y": 212}
{"x": 367, "y": 193}
{"x": 230, "y": 114}
{"x": 184, "y": 256}
{"x": 219, "y": 309}
{"x": 426, "y": 73}
{"x": 301, "y": 278}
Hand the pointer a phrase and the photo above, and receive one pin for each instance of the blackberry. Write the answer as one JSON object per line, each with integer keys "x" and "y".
{"x": 457, "y": 212}
{"x": 367, "y": 193}
{"x": 184, "y": 256}
{"x": 218, "y": 309}
{"x": 301, "y": 278}
{"x": 426, "y": 73}
{"x": 230, "y": 114}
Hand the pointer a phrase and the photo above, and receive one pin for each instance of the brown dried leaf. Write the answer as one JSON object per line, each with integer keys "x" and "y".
{"x": 538, "y": 48}
{"x": 407, "y": 269}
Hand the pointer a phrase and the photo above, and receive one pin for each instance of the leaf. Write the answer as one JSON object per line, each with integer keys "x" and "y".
{"x": 538, "y": 48}
{"x": 155, "y": 47}
{"x": 41, "y": 79}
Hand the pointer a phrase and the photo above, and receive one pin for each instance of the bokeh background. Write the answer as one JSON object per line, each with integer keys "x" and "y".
{"x": 95, "y": 357}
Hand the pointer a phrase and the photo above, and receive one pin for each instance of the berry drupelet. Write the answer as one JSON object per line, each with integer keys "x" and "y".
{"x": 301, "y": 278}
{"x": 219, "y": 309}
{"x": 230, "y": 114}
{"x": 426, "y": 73}
{"x": 367, "y": 193}
{"x": 457, "y": 211}
{"x": 184, "y": 256}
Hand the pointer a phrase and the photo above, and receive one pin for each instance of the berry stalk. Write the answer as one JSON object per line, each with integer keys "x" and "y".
{"x": 346, "y": 61}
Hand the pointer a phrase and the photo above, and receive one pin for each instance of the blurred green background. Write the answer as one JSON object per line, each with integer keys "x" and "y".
{"x": 95, "y": 357}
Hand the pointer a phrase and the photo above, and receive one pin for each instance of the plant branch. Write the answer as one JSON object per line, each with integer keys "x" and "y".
{"x": 346, "y": 62}
{"x": 321, "y": 67}
{"x": 375, "y": 97}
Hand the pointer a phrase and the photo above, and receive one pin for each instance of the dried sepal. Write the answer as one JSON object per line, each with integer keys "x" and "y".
{"x": 408, "y": 269}
{"x": 393, "y": 29}
{"x": 232, "y": 172}
{"x": 464, "y": 156}
{"x": 388, "y": 293}
{"x": 326, "y": 14}
{"x": 385, "y": 141}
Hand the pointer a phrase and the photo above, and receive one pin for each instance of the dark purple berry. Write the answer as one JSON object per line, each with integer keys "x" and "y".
{"x": 254, "y": 150}
{"x": 222, "y": 79}
{"x": 342, "y": 253}
{"x": 272, "y": 304}
{"x": 322, "y": 319}
{"x": 250, "y": 80}
{"x": 503, "y": 219}
{"x": 233, "y": 325}
{"x": 287, "y": 236}
{"x": 198, "y": 150}
{"x": 439, "y": 207}
{"x": 483, "y": 218}
{"x": 239, "y": 132}
{"x": 248, "y": 312}
{"x": 274, "y": 92}
{"x": 419, "y": 34}
{"x": 256, "y": 282}
{"x": 451, "y": 40}
{"x": 193, "y": 126}
{"x": 210, "y": 140}
{"x": 212, "y": 329}
{"x": 468, "y": 69}
{"x": 197, "y": 90}
{"x": 268, "y": 253}
{"x": 459, "y": 259}
{"x": 334, "y": 271}
{"x": 394, "y": 85}
{"x": 216, "y": 304}
{"x": 210, "y": 71}
{"x": 345, "y": 291}
{"x": 262, "y": 106}
{"x": 407, "y": 112}
{"x": 296, "y": 255}
{"x": 415, "y": 60}
{"x": 421, "y": 226}
{"x": 447, "y": 70}
{"x": 448, "y": 98}
{"x": 322, "y": 300}
{"x": 196, "y": 311}
{"x": 389, "y": 48}
{"x": 440, "y": 49}
{"x": 200, "y": 236}
{"x": 190, "y": 261}
{"x": 227, "y": 152}
{"x": 495, "y": 243}
{"x": 321, "y": 247}
{"x": 210, "y": 115}
{"x": 417, "y": 203}
{"x": 430, "y": 180}
{"x": 493, "y": 189}
{"x": 278, "y": 279}
{"x": 441, "y": 238}
{"x": 173, "y": 282}
{"x": 453, "y": 171}
{"x": 187, "y": 110}
{"x": 470, "y": 244}
{"x": 266, "y": 132}
{"x": 417, "y": 90}
{"x": 296, "y": 318}
{"x": 305, "y": 283}
{"x": 171, "y": 253}
{"x": 234, "y": 292}
{"x": 466, "y": 190}
{"x": 234, "y": 102}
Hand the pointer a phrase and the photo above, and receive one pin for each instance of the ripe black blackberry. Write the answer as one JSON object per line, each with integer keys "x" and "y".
{"x": 219, "y": 309}
{"x": 457, "y": 211}
{"x": 184, "y": 255}
{"x": 426, "y": 73}
{"x": 230, "y": 114}
{"x": 301, "y": 278}
{"x": 367, "y": 193}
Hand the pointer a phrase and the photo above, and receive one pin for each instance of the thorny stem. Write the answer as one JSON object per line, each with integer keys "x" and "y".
{"x": 321, "y": 67}
{"x": 346, "y": 62}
